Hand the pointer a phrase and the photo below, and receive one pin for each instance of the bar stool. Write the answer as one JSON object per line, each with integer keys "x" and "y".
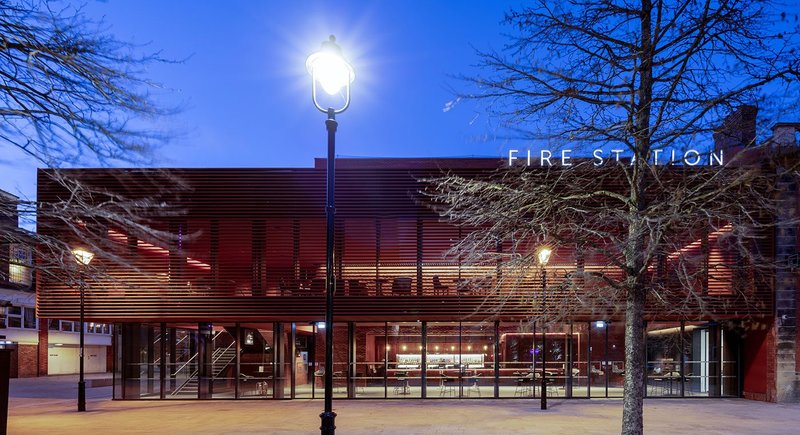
{"x": 446, "y": 386}
{"x": 474, "y": 385}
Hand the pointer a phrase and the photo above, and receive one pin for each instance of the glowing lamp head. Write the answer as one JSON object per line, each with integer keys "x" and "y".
{"x": 329, "y": 68}
{"x": 82, "y": 256}
{"x": 544, "y": 255}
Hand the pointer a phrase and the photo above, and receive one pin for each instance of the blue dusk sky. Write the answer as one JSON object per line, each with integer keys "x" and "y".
{"x": 244, "y": 91}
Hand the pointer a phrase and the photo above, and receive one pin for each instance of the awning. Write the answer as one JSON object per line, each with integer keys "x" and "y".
{"x": 18, "y": 298}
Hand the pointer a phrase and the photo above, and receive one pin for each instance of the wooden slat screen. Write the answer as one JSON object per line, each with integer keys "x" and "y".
{"x": 249, "y": 245}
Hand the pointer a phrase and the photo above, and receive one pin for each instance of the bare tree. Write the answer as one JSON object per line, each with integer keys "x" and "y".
{"x": 71, "y": 94}
{"x": 643, "y": 77}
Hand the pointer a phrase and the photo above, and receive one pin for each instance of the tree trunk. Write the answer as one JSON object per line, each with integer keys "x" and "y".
{"x": 632, "y": 413}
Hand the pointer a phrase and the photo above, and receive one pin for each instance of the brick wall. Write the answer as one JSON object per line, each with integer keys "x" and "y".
{"x": 27, "y": 360}
{"x": 43, "y": 347}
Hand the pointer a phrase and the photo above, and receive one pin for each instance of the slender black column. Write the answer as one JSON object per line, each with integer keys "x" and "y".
{"x": 606, "y": 367}
{"x": 496, "y": 351}
{"x": 279, "y": 360}
{"x": 166, "y": 337}
{"x": 81, "y": 383}
{"x": 151, "y": 359}
{"x": 328, "y": 417}
{"x": 205, "y": 349}
{"x": 544, "y": 340}
{"x": 424, "y": 362}
{"x": 293, "y": 359}
{"x": 312, "y": 361}
{"x": 570, "y": 359}
{"x": 173, "y": 358}
{"x": 589, "y": 375}
{"x": 237, "y": 392}
{"x": 351, "y": 359}
{"x": 682, "y": 365}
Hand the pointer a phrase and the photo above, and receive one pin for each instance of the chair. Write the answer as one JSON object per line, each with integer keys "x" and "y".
{"x": 357, "y": 288}
{"x": 317, "y": 286}
{"x": 401, "y": 286}
{"x": 438, "y": 287}
{"x": 337, "y": 381}
{"x": 402, "y": 387}
{"x": 464, "y": 287}
{"x": 286, "y": 288}
{"x": 360, "y": 386}
{"x": 473, "y": 387}
{"x": 524, "y": 386}
{"x": 552, "y": 388}
{"x": 263, "y": 388}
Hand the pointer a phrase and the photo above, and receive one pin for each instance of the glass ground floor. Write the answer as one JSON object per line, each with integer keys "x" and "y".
{"x": 285, "y": 360}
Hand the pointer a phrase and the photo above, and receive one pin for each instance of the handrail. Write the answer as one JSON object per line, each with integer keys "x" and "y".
{"x": 216, "y": 355}
{"x": 186, "y": 363}
{"x": 214, "y": 360}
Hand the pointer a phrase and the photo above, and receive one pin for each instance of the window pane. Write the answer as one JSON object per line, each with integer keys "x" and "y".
{"x": 14, "y": 322}
{"x": 19, "y": 274}
{"x": 30, "y": 318}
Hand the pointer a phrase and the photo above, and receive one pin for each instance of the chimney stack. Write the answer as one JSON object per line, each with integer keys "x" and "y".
{"x": 784, "y": 134}
{"x": 737, "y": 131}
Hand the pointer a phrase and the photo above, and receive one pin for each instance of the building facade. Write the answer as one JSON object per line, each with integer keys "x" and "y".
{"x": 224, "y": 294}
{"x": 41, "y": 346}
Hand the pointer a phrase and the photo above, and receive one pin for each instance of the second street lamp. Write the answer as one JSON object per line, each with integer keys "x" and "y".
{"x": 544, "y": 257}
{"x": 83, "y": 257}
{"x": 330, "y": 70}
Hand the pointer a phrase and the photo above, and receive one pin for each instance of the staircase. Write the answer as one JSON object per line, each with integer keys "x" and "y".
{"x": 220, "y": 360}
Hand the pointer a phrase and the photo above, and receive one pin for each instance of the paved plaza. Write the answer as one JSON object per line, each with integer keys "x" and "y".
{"x": 47, "y": 405}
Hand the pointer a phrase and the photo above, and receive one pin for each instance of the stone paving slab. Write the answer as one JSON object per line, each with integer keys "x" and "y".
{"x": 56, "y": 414}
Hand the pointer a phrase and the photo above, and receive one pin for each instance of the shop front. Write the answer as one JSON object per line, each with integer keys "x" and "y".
{"x": 434, "y": 360}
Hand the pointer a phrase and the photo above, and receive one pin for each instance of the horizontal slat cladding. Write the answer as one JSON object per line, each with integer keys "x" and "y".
{"x": 249, "y": 245}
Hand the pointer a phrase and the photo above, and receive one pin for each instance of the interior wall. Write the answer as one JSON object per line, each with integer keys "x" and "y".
{"x": 63, "y": 360}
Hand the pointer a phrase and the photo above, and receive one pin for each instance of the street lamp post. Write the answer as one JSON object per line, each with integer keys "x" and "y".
{"x": 83, "y": 257}
{"x": 330, "y": 70}
{"x": 544, "y": 257}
